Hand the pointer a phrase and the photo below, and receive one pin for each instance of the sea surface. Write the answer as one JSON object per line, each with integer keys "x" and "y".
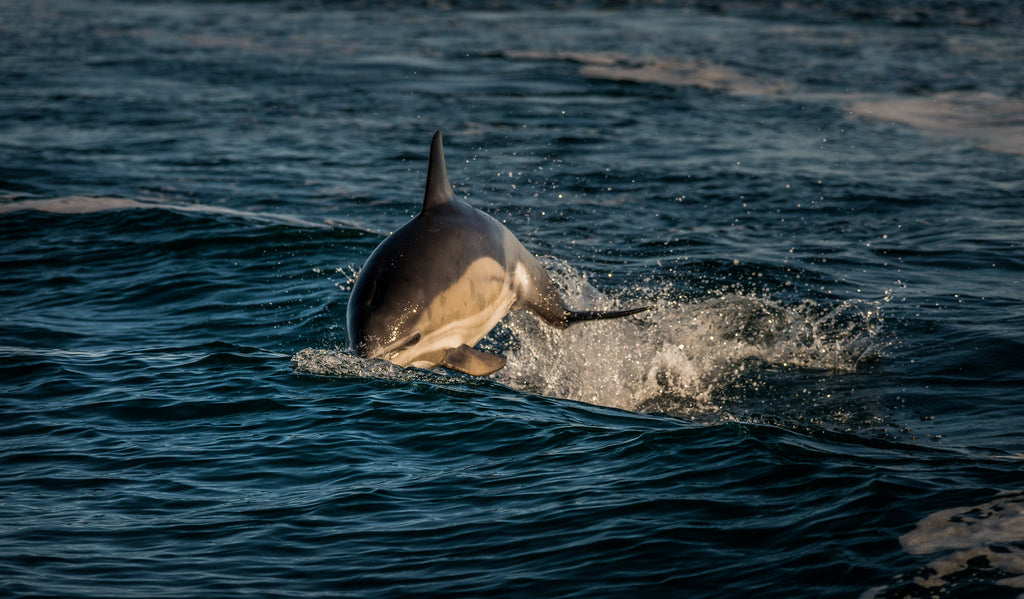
{"x": 822, "y": 201}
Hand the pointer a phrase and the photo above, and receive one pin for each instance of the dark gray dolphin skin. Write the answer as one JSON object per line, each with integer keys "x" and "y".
{"x": 439, "y": 284}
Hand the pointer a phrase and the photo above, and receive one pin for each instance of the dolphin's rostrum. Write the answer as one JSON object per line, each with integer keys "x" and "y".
{"x": 439, "y": 284}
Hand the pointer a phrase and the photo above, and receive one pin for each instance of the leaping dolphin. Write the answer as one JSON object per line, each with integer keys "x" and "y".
{"x": 440, "y": 283}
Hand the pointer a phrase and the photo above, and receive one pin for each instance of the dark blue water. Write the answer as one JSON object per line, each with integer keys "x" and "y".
{"x": 823, "y": 201}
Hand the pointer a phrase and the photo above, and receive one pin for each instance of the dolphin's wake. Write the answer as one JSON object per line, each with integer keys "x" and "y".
{"x": 698, "y": 359}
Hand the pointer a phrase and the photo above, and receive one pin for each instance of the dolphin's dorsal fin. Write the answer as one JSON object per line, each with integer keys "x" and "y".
{"x": 439, "y": 190}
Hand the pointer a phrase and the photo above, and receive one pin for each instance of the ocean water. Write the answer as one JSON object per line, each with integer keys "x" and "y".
{"x": 823, "y": 202}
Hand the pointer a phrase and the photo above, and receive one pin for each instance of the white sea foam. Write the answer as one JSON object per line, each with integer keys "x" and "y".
{"x": 93, "y": 204}
{"x": 990, "y": 121}
{"x": 966, "y": 528}
{"x": 70, "y": 205}
{"x": 707, "y": 75}
{"x": 987, "y": 120}
{"x": 988, "y": 538}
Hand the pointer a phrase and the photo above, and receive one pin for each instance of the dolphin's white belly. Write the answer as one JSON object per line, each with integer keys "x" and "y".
{"x": 462, "y": 314}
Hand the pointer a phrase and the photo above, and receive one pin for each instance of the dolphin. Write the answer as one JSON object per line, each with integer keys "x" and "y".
{"x": 440, "y": 283}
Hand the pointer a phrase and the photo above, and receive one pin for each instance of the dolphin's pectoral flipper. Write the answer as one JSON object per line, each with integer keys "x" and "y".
{"x": 472, "y": 361}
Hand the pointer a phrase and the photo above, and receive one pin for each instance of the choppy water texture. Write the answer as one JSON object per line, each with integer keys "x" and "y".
{"x": 823, "y": 202}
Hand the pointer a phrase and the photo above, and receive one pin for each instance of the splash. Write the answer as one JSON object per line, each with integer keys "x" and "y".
{"x": 683, "y": 356}
{"x": 691, "y": 358}
{"x": 345, "y": 364}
